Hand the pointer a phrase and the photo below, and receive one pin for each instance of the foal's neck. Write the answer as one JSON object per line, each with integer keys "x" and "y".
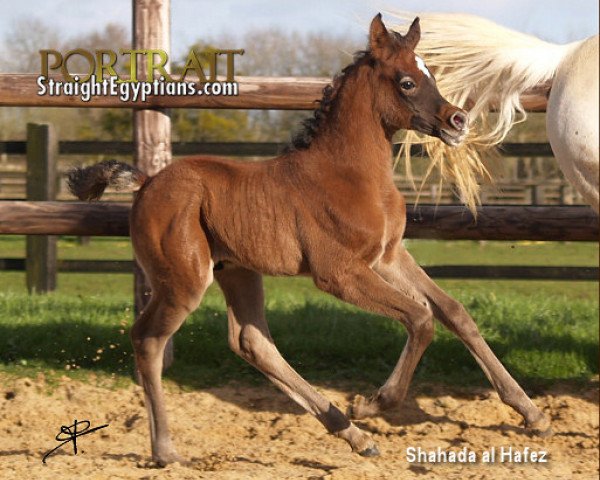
{"x": 352, "y": 136}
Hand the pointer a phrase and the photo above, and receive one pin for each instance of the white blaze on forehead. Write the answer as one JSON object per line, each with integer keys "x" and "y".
{"x": 421, "y": 65}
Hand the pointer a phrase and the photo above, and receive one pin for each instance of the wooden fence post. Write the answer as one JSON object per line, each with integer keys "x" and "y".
{"x": 42, "y": 150}
{"x": 536, "y": 195}
{"x": 151, "y": 127}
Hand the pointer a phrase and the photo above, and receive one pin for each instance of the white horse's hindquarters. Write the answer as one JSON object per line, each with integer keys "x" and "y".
{"x": 572, "y": 119}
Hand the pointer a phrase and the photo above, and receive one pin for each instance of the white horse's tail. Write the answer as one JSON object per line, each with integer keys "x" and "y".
{"x": 478, "y": 64}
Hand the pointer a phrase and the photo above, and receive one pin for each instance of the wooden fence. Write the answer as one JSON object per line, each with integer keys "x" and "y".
{"x": 152, "y": 150}
{"x": 41, "y": 220}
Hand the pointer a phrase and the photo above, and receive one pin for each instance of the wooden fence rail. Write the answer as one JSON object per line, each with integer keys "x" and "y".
{"x": 446, "y": 222}
{"x": 495, "y": 272}
{"x": 263, "y": 93}
{"x": 235, "y": 149}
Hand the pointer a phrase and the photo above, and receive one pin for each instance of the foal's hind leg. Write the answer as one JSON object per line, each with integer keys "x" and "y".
{"x": 249, "y": 337}
{"x": 179, "y": 277}
{"x": 454, "y": 316}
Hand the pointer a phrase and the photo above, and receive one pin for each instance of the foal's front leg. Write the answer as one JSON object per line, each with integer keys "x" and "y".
{"x": 357, "y": 283}
{"x": 453, "y": 315}
{"x": 420, "y": 334}
{"x": 249, "y": 337}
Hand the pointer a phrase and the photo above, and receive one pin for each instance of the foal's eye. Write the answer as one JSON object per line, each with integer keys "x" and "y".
{"x": 407, "y": 85}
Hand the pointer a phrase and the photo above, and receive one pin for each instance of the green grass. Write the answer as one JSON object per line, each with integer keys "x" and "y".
{"x": 101, "y": 248}
{"x": 542, "y": 331}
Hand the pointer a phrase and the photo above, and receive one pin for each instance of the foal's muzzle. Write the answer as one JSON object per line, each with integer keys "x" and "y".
{"x": 455, "y": 128}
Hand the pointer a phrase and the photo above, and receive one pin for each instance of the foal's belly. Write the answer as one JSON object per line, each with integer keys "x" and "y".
{"x": 268, "y": 261}
{"x": 258, "y": 242}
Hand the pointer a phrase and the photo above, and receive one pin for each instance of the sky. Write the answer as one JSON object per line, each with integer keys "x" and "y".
{"x": 559, "y": 21}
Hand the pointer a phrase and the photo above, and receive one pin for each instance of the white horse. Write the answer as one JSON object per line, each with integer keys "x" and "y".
{"x": 478, "y": 64}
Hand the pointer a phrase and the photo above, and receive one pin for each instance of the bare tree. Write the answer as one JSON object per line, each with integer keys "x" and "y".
{"x": 22, "y": 43}
{"x": 111, "y": 37}
{"x": 273, "y": 52}
{"x": 276, "y": 53}
{"x": 28, "y": 35}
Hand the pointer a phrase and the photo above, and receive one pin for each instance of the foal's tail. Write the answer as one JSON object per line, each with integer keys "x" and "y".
{"x": 89, "y": 183}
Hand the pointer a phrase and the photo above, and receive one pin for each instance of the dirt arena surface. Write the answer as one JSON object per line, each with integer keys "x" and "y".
{"x": 242, "y": 432}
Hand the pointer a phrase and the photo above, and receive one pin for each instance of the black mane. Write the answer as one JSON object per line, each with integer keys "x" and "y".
{"x": 310, "y": 126}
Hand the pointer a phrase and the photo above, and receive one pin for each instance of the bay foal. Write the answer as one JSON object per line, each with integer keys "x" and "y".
{"x": 327, "y": 208}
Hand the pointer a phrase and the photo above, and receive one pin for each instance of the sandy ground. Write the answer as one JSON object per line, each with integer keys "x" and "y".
{"x": 241, "y": 432}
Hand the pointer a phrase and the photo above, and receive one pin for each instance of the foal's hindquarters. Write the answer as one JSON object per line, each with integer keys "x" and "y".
{"x": 172, "y": 249}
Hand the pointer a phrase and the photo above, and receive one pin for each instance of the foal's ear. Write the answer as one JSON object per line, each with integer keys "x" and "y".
{"x": 379, "y": 37}
{"x": 414, "y": 34}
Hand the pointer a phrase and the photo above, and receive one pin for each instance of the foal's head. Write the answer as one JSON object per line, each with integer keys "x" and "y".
{"x": 405, "y": 91}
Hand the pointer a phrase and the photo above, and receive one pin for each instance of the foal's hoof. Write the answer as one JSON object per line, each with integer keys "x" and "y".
{"x": 540, "y": 428}
{"x": 370, "y": 452}
{"x": 161, "y": 461}
{"x": 362, "y": 408}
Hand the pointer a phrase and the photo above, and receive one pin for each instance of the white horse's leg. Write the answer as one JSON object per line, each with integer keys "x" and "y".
{"x": 572, "y": 119}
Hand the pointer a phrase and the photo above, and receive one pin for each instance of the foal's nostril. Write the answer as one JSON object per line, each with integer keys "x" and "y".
{"x": 459, "y": 120}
